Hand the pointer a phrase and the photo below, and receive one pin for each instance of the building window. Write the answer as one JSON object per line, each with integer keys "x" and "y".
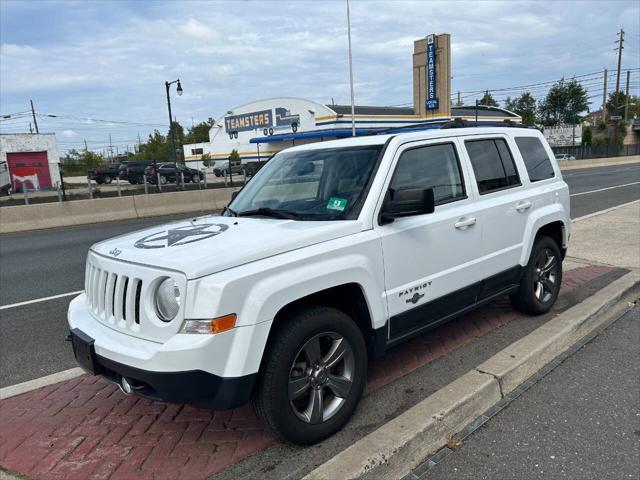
{"x": 197, "y": 151}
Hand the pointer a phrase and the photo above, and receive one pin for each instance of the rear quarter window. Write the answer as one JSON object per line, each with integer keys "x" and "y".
{"x": 535, "y": 158}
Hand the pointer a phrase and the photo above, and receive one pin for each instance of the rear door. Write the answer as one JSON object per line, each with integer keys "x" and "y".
{"x": 503, "y": 199}
{"x": 430, "y": 260}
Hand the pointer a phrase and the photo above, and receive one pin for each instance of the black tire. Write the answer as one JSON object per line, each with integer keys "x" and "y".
{"x": 541, "y": 279}
{"x": 107, "y": 179}
{"x": 99, "y": 182}
{"x": 271, "y": 399}
{"x": 217, "y": 174}
{"x": 196, "y": 178}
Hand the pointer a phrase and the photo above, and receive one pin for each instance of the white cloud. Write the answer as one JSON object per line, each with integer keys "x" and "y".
{"x": 69, "y": 133}
{"x": 231, "y": 53}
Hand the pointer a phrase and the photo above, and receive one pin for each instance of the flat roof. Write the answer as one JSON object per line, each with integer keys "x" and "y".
{"x": 463, "y": 111}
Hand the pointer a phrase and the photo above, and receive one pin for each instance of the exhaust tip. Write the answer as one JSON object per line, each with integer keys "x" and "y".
{"x": 125, "y": 386}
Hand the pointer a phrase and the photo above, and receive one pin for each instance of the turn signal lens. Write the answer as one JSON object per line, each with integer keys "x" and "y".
{"x": 217, "y": 325}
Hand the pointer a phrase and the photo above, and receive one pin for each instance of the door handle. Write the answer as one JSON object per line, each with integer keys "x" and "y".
{"x": 523, "y": 206}
{"x": 465, "y": 223}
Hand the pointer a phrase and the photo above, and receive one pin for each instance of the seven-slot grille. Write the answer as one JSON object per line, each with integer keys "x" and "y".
{"x": 113, "y": 298}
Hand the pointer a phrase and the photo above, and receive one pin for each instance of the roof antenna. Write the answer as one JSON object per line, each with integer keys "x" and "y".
{"x": 353, "y": 108}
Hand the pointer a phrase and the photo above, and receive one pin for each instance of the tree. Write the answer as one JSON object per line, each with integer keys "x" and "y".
{"x": 206, "y": 160}
{"x": 587, "y": 136}
{"x": 564, "y": 103}
{"x": 77, "y": 163}
{"x": 199, "y": 133}
{"x": 234, "y": 158}
{"x": 488, "y": 100}
{"x": 525, "y": 106}
{"x": 615, "y": 104}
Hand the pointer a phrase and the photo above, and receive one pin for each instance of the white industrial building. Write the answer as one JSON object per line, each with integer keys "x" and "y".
{"x": 259, "y": 129}
{"x": 32, "y": 159}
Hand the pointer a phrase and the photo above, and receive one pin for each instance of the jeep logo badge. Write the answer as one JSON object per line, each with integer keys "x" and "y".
{"x": 175, "y": 237}
{"x": 416, "y": 297}
{"x": 115, "y": 252}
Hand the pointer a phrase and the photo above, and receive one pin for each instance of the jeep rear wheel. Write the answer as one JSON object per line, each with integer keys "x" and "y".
{"x": 313, "y": 375}
{"x": 540, "y": 283}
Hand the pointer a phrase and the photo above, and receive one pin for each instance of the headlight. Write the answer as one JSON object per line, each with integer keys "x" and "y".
{"x": 167, "y": 300}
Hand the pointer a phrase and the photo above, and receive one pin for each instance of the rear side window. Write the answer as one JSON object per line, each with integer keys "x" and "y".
{"x": 492, "y": 164}
{"x": 432, "y": 166}
{"x": 535, "y": 158}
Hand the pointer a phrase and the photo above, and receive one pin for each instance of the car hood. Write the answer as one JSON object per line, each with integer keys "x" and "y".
{"x": 209, "y": 244}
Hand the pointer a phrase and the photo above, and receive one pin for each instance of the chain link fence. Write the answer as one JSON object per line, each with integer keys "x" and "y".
{"x": 580, "y": 152}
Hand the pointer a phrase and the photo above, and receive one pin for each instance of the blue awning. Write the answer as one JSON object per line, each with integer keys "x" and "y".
{"x": 329, "y": 133}
{"x": 337, "y": 133}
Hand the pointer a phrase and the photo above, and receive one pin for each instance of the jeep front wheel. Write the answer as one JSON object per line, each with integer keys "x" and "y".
{"x": 540, "y": 283}
{"x": 313, "y": 375}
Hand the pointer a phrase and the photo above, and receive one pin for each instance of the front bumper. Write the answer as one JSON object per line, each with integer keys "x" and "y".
{"x": 217, "y": 371}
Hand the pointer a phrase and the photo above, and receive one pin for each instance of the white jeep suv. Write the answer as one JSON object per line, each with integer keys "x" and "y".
{"x": 330, "y": 255}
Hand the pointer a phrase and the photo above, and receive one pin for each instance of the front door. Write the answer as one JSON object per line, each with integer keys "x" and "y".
{"x": 431, "y": 260}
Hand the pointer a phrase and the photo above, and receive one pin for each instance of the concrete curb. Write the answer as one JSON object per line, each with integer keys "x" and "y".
{"x": 24, "y": 387}
{"x": 394, "y": 449}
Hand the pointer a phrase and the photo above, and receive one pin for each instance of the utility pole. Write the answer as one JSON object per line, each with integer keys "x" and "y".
{"x": 626, "y": 98}
{"x": 86, "y": 149}
{"x": 620, "y": 43}
{"x": 604, "y": 97}
{"x": 353, "y": 108}
{"x": 30, "y": 128}
{"x": 459, "y": 102}
{"x": 110, "y": 150}
{"x": 33, "y": 113}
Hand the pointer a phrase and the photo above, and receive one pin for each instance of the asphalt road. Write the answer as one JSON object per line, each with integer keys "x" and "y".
{"x": 581, "y": 421}
{"x": 40, "y": 264}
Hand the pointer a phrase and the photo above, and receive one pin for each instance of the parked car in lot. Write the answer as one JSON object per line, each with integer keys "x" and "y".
{"x": 221, "y": 169}
{"x": 5, "y": 179}
{"x": 171, "y": 172}
{"x": 332, "y": 254}
{"x": 106, "y": 174}
{"x": 133, "y": 172}
{"x": 564, "y": 156}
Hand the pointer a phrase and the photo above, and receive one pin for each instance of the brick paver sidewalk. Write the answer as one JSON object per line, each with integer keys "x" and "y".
{"x": 86, "y": 428}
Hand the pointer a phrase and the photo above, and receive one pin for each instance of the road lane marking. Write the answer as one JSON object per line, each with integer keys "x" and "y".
{"x": 38, "y": 300}
{"x": 606, "y": 210}
{"x": 603, "y": 189}
{"x": 20, "y": 388}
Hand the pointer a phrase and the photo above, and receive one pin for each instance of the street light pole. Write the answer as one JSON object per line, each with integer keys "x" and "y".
{"x": 173, "y": 139}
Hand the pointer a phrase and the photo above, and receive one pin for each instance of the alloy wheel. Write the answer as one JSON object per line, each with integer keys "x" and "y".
{"x": 321, "y": 377}
{"x": 545, "y": 275}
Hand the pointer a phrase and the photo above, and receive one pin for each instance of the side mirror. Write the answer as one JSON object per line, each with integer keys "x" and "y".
{"x": 406, "y": 202}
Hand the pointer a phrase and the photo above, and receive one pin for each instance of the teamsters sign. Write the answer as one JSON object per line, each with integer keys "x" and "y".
{"x": 432, "y": 99}
{"x": 249, "y": 121}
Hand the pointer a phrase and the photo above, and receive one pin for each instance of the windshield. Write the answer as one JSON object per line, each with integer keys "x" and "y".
{"x": 327, "y": 184}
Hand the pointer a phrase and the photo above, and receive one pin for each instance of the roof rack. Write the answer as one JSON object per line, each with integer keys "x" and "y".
{"x": 444, "y": 124}
{"x": 460, "y": 123}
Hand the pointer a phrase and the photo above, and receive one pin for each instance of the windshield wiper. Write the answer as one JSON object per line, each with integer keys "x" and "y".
{"x": 270, "y": 212}
{"x": 231, "y": 211}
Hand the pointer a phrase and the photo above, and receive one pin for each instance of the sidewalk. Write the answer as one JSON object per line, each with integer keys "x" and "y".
{"x": 85, "y": 428}
{"x": 582, "y": 421}
{"x": 611, "y": 238}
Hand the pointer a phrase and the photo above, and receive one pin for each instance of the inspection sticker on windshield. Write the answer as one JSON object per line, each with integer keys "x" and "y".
{"x": 336, "y": 203}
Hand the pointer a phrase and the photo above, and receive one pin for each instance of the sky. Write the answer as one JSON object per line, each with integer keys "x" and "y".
{"x": 100, "y": 66}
